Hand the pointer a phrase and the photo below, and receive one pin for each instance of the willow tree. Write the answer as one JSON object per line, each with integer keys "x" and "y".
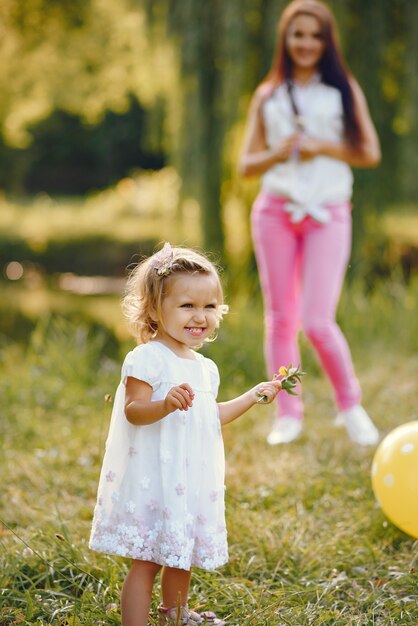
{"x": 82, "y": 57}
{"x": 219, "y": 49}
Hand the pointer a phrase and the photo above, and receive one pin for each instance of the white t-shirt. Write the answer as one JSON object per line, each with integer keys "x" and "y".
{"x": 318, "y": 181}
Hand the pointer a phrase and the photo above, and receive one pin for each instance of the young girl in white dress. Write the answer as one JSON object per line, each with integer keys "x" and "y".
{"x": 161, "y": 492}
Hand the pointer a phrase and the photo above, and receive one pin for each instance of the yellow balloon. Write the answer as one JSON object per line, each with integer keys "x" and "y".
{"x": 395, "y": 477}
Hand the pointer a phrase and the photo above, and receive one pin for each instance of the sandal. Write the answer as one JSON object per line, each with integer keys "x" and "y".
{"x": 169, "y": 617}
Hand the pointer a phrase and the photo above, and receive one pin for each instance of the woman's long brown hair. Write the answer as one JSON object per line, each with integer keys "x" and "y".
{"x": 331, "y": 65}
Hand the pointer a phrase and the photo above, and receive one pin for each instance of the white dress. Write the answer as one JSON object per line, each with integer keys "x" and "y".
{"x": 161, "y": 489}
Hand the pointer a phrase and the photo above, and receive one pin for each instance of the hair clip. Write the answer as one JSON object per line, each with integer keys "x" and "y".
{"x": 163, "y": 260}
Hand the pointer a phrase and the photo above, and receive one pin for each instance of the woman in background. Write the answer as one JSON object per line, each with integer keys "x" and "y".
{"x": 308, "y": 125}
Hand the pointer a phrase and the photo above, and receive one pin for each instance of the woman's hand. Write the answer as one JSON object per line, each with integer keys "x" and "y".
{"x": 309, "y": 148}
{"x": 366, "y": 154}
{"x": 180, "y": 397}
{"x": 285, "y": 148}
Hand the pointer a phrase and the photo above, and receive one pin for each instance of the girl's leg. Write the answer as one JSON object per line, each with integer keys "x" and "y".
{"x": 325, "y": 257}
{"x": 137, "y": 593}
{"x": 277, "y": 252}
{"x": 175, "y": 581}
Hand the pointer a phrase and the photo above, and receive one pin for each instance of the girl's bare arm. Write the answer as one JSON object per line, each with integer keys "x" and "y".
{"x": 229, "y": 411}
{"x": 141, "y": 410}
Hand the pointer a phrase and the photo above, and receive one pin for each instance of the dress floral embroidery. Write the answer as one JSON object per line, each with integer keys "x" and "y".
{"x": 161, "y": 489}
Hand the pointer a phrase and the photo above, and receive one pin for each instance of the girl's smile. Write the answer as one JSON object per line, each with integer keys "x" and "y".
{"x": 197, "y": 332}
{"x": 189, "y": 311}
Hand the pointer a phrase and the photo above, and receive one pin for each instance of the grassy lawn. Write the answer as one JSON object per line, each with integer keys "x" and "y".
{"x": 308, "y": 543}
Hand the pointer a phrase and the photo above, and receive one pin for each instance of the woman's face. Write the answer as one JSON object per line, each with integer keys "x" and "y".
{"x": 304, "y": 42}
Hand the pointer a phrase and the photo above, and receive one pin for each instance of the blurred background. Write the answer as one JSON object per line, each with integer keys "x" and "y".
{"x": 121, "y": 122}
{"x": 121, "y": 125}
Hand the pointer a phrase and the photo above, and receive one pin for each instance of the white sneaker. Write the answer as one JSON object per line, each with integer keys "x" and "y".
{"x": 359, "y": 426}
{"x": 285, "y": 430}
{"x": 339, "y": 421}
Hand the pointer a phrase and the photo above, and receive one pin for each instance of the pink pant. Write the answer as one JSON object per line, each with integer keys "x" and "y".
{"x": 302, "y": 268}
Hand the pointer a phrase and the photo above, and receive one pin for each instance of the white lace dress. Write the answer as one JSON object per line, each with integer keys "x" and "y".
{"x": 161, "y": 489}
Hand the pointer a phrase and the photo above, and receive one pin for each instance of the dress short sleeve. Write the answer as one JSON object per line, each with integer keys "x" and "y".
{"x": 214, "y": 376}
{"x": 144, "y": 363}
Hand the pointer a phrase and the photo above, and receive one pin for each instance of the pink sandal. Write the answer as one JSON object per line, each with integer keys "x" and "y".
{"x": 168, "y": 617}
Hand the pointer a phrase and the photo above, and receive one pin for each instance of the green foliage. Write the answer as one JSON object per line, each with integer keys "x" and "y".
{"x": 308, "y": 543}
{"x": 192, "y": 66}
{"x": 68, "y": 156}
{"x": 78, "y": 57}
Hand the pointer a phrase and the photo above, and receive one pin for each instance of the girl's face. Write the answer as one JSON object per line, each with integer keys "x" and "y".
{"x": 189, "y": 311}
{"x": 304, "y": 42}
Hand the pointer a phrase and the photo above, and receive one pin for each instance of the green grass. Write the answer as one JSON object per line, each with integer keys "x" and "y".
{"x": 308, "y": 544}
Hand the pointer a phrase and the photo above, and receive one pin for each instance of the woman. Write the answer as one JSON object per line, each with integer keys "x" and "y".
{"x": 308, "y": 123}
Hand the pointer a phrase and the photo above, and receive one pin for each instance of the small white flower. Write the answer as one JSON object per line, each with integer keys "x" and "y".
{"x": 173, "y": 561}
{"x": 130, "y": 506}
{"x": 182, "y": 563}
{"x": 180, "y": 489}
{"x": 145, "y": 482}
{"x": 27, "y": 552}
{"x": 138, "y": 542}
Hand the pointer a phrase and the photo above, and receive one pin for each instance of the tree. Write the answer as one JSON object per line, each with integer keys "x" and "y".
{"x": 84, "y": 58}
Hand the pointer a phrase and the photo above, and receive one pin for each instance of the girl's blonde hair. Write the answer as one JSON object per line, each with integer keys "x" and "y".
{"x": 147, "y": 285}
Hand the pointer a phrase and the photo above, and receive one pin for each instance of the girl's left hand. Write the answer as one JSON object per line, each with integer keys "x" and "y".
{"x": 267, "y": 391}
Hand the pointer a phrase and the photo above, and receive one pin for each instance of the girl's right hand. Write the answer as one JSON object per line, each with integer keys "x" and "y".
{"x": 180, "y": 397}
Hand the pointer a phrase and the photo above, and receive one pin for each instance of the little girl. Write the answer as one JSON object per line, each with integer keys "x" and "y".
{"x": 161, "y": 492}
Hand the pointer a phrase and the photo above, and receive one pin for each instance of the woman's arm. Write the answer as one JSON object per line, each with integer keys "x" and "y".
{"x": 141, "y": 410}
{"x": 229, "y": 411}
{"x": 256, "y": 157}
{"x": 366, "y": 155}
